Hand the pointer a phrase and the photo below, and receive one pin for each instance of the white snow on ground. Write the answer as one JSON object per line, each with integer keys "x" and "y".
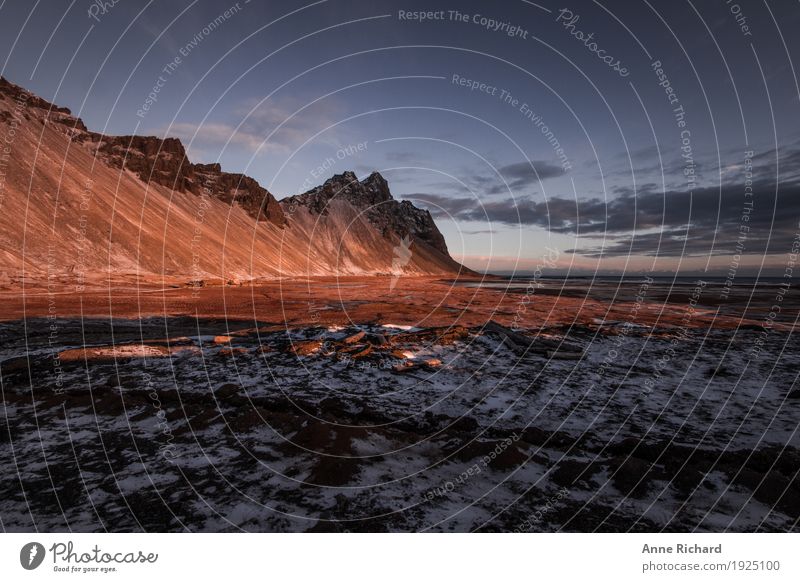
{"x": 219, "y": 464}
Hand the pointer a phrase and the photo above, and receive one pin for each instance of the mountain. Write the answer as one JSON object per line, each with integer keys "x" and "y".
{"x": 77, "y": 203}
{"x": 360, "y": 220}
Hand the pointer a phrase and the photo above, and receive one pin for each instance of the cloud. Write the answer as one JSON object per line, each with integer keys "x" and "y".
{"x": 507, "y": 211}
{"x": 293, "y": 128}
{"x": 213, "y": 135}
{"x": 525, "y": 174}
{"x": 513, "y": 179}
{"x": 272, "y": 126}
{"x": 443, "y": 206}
{"x": 709, "y": 220}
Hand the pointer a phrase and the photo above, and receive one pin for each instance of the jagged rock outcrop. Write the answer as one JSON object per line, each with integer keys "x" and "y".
{"x": 371, "y": 196}
{"x": 9, "y": 90}
{"x": 164, "y": 161}
{"x": 154, "y": 160}
{"x": 243, "y": 190}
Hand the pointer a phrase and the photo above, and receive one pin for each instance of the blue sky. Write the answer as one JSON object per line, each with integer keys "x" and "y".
{"x": 453, "y": 111}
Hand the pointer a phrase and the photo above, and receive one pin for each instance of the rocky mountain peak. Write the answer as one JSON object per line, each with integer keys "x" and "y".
{"x": 371, "y": 191}
{"x": 392, "y": 218}
{"x": 378, "y": 187}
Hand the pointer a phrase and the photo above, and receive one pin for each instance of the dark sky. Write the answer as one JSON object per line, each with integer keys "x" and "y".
{"x": 586, "y": 154}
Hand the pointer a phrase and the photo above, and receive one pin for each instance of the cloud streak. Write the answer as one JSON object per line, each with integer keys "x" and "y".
{"x": 653, "y": 222}
{"x": 272, "y": 126}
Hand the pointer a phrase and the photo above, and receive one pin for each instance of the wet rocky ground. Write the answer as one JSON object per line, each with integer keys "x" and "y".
{"x": 184, "y": 424}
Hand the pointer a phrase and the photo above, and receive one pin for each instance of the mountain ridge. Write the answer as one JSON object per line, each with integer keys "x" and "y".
{"x": 77, "y": 200}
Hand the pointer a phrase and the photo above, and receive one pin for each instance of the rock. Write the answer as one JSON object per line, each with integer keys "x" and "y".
{"x": 306, "y": 347}
{"x": 16, "y": 92}
{"x": 431, "y": 336}
{"x": 164, "y": 162}
{"x": 523, "y": 345}
{"x": 354, "y": 353}
{"x": 432, "y": 363}
{"x": 378, "y": 340}
{"x": 371, "y": 196}
{"x": 351, "y": 339}
{"x": 515, "y": 338}
{"x": 405, "y": 366}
